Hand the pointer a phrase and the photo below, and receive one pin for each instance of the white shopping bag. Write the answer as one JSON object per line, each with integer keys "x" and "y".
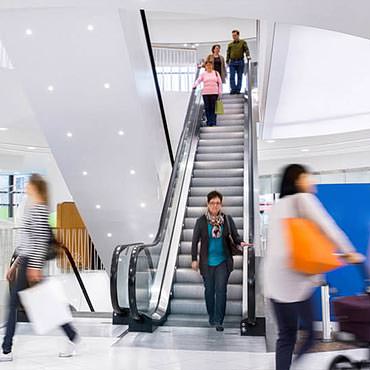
{"x": 46, "y": 305}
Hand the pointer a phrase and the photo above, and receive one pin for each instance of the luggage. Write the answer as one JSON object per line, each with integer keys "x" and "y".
{"x": 353, "y": 315}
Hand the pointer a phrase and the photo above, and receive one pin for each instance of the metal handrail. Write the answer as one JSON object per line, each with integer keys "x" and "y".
{"x": 77, "y": 274}
{"x": 250, "y": 199}
{"x": 191, "y": 119}
{"x": 162, "y": 223}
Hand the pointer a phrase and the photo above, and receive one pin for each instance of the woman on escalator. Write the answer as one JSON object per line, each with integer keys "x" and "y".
{"x": 213, "y": 231}
{"x": 27, "y": 268}
{"x": 212, "y": 90}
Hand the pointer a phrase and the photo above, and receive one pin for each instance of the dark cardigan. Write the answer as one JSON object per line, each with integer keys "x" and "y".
{"x": 200, "y": 233}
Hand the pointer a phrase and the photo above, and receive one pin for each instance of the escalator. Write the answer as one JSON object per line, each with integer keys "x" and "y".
{"x": 152, "y": 285}
{"x": 219, "y": 164}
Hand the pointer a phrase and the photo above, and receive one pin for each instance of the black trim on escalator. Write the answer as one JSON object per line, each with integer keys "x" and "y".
{"x": 61, "y": 247}
{"x": 158, "y": 90}
{"x": 251, "y": 204}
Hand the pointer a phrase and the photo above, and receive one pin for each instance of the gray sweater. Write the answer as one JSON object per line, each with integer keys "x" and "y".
{"x": 281, "y": 283}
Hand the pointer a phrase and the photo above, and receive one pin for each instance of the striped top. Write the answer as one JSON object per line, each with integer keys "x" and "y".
{"x": 34, "y": 235}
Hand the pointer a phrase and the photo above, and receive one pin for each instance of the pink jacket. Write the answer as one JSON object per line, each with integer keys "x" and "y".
{"x": 212, "y": 83}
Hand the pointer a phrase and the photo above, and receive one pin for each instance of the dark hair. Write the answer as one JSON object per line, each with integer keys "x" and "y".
{"x": 215, "y": 46}
{"x": 237, "y": 31}
{"x": 40, "y": 185}
{"x": 291, "y": 174}
{"x": 214, "y": 194}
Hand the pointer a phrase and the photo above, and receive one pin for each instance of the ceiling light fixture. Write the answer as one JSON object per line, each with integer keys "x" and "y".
{"x": 270, "y": 141}
{"x": 84, "y": 173}
{"x": 28, "y": 32}
{"x": 305, "y": 150}
{"x": 196, "y": 44}
{"x": 98, "y": 206}
{"x": 31, "y": 148}
{"x": 4, "y": 129}
{"x": 121, "y": 133}
{"x": 185, "y": 45}
{"x": 107, "y": 85}
{"x": 69, "y": 134}
{"x": 90, "y": 27}
{"x": 50, "y": 88}
{"x": 132, "y": 172}
{"x": 151, "y": 235}
{"x": 142, "y": 205}
{"x": 109, "y": 235}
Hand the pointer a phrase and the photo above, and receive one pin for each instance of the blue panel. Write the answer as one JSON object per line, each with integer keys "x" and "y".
{"x": 349, "y": 205}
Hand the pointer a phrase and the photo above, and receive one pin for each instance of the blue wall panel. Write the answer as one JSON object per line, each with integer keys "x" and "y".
{"x": 349, "y": 205}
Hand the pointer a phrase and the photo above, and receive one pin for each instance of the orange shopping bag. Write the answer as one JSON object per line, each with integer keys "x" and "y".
{"x": 311, "y": 251}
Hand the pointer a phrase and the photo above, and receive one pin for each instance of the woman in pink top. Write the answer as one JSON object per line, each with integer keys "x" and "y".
{"x": 212, "y": 90}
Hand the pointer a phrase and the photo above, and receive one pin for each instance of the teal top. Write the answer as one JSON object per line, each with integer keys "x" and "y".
{"x": 216, "y": 253}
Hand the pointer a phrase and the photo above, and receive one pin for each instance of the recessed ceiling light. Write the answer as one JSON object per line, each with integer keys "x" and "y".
{"x": 197, "y": 44}
{"x": 151, "y": 235}
{"x": 121, "y": 133}
{"x": 28, "y": 32}
{"x": 98, "y": 206}
{"x": 185, "y": 45}
{"x": 69, "y": 134}
{"x": 107, "y": 85}
{"x": 132, "y": 172}
{"x": 4, "y": 129}
{"x": 31, "y": 148}
{"x": 50, "y": 88}
{"x": 142, "y": 205}
{"x": 270, "y": 141}
{"x": 193, "y": 46}
{"x": 84, "y": 173}
{"x": 109, "y": 235}
{"x": 90, "y": 27}
{"x": 305, "y": 150}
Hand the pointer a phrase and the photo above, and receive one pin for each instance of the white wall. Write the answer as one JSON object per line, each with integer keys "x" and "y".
{"x": 175, "y": 105}
{"x": 78, "y": 63}
{"x": 182, "y": 28}
{"x": 318, "y": 84}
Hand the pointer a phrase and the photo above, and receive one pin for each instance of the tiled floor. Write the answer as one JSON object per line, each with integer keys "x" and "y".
{"x": 166, "y": 349}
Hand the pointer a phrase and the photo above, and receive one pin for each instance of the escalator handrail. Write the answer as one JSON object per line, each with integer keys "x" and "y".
{"x": 134, "y": 312}
{"x": 161, "y": 227}
{"x": 251, "y": 262}
{"x": 113, "y": 278}
{"x": 72, "y": 262}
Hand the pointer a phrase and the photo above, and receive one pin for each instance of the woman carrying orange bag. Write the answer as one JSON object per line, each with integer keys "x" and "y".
{"x": 290, "y": 290}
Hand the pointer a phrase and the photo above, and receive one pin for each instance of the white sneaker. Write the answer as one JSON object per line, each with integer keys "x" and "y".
{"x": 70, "y": 348}
{"x": 6, "y": 357}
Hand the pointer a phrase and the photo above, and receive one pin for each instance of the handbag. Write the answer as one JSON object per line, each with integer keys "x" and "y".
{"x": 234, "y": 248}
{"x": 219, "y": 109}
{"x": 311, "y": 251}
{"x": 53, "y": 247}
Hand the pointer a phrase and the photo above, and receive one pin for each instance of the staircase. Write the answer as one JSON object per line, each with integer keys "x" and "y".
{"x": 219, "y": 165}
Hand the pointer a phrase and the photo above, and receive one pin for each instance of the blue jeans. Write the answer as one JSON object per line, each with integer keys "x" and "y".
{"x": 210, "y": 108}
{"x": 215, "y": 283}
{"x": 289, "y": 316}
{"x": 21, "y": 283}
{"x": 236, "y": 67}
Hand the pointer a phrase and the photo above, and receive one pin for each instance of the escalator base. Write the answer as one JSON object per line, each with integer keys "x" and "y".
{"x": 256, "y": 330}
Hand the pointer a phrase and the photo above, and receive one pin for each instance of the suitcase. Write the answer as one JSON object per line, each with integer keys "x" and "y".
{"x": 353, "y": 315}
